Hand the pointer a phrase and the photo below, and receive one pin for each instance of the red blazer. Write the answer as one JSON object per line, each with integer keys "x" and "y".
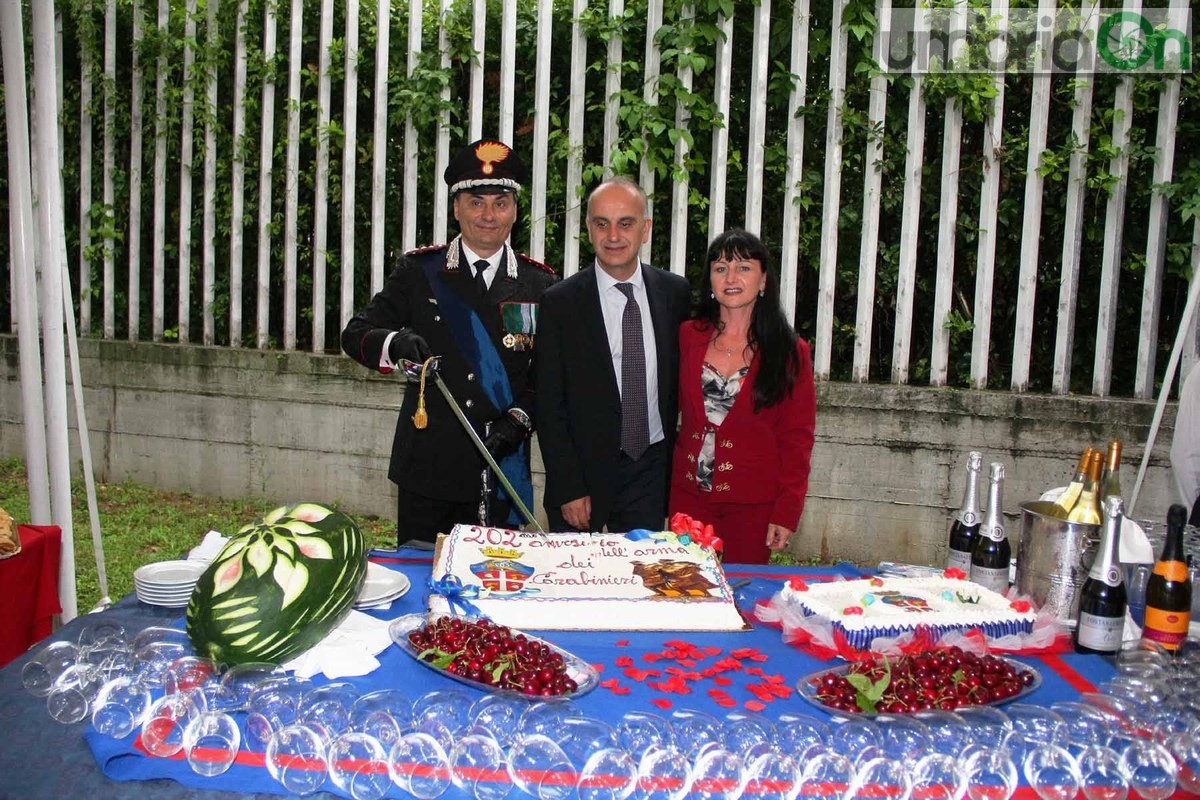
{"x": 760, "y": 457}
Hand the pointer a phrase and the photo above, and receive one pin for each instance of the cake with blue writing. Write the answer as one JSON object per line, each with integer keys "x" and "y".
{"x": 637, "y": 581}
{"x": 864, "y": 610}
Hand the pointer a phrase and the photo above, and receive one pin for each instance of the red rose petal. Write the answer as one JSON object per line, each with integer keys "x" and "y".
{"x": 754, "y": 705}
{"x": 622, "y": 642}
{"x": 609, "y": 683}
{"x": 712, "y": 651}
{"x": 621, "y": 690}
{"x": 723, "y": 680}
{"x": 650, "y": 657}
{"x": 624, "y": 661}
{"x": 662, "y": 702}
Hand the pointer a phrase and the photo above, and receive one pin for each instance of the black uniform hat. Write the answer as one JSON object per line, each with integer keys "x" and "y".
{"x": 485, "y": 167}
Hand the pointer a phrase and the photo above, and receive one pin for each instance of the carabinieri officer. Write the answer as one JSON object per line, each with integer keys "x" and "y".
{"x": 474, "y": 303}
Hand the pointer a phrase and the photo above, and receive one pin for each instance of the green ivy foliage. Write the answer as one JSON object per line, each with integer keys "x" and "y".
{"x": 648, "y": 133}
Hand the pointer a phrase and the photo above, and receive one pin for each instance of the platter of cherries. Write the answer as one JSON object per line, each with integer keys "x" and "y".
{"x": 942, "y": 680}
{"x": 492, "y": 657}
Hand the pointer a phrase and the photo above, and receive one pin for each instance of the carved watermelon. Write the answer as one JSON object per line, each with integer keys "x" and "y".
{"x": 279, "y": 586}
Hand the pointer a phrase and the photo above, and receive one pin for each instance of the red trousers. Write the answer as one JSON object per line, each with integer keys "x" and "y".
{"x": 741, "y": 526}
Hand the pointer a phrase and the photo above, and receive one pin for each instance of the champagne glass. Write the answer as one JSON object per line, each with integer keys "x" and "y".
{"x": 989, "y": 727}
{"x": 935, "y": 776}
{"x": 384, "y": 714}
{"x": 540, "y": 768}
{"x": 546, "y": 716}
{"x": 1101, "y": 775}
{"x": 498, "y": 714}
{"x": 1185, "y": 747}
{"x": 798, "y": 732}
{"x": 166, "y": 721}
{"x": 637, "y": 730}
{"x": 664, "y": 773}
{"x": 694, "y": 729}
{"x": 190, "y": 672}
{"x": 771, "y": 776}
{"x": 274, "y": 705}
{"x": 1052, "y": 772}
{"x": 990, "y": 774}
{"x": 71, "y": 696}
{"x": 718, "y": 774}
{"x": 358, "y": 765}
{"x": 948, "y": 732}
{"x": 41, "y": 670}
{"x": 881, "y": 779}
{"x": 120, "y": 707}
{"x": 295, "y": 756}
{"x": 1150, "y": 769}
{"x": 904, "y": 738}
{"x": 579, "y": 737}
{"x": 419, "y": 765}
{"x": 855, "y": 734}
{"x": 328, "y": 707}
{"x": 608, "y": 774}
{"x": 210, "y": 742}
{"x": 825, "y": 775}
{"x": 750, "y": 735}
{"x": 451, "y": 707}
{"x": 478, "y": 767}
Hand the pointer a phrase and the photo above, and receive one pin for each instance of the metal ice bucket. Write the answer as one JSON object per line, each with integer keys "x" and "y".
{"x": 1053, "y": 559}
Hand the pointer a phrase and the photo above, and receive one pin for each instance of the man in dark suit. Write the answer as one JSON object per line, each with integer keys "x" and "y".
{"x": 607, "y": 458}
{"x": 474, "y": 303}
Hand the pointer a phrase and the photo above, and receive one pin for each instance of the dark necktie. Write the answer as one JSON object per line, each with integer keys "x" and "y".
{"x": 480, "y": 282}
{"x": 635, "y": 419}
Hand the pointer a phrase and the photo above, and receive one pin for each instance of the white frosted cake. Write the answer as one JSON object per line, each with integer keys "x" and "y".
{"x": 583, "y": 581}
{"x": 863, "y": 610}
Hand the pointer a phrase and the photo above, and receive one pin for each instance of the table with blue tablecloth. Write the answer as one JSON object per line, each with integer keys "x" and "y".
{"x": 660, "y": 672}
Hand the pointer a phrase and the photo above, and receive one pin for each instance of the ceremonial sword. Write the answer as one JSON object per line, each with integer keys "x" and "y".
{"x": 413, "y": 370}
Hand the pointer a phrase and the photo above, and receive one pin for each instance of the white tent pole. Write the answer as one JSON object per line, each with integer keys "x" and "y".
{"x": 23, "y": 245}
{"x": 1186, "y": 328}
{"x": 85, "y": 445}
{"x": 51, "y": 249}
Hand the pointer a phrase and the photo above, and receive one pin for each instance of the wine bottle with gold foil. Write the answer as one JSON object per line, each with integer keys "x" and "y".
{"x": 1066, "y": 501}
{"x": 965, "y": 529}
{"x": 1169, "y": 591}
{"x": 1110, "y": 484}
{"x": 1087, "y": 509}
{"x": 990, "y": 559}
{"x": 1102, "y": 600}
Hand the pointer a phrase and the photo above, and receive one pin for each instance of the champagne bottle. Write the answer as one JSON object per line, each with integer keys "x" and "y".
{"x": 1102, "y": 600}
{"x": 965, "y": 528}
{"x": 1169, "y": 591}
{"x": 989, "y": 559}
{"x": 1066, "y": 501}
{"x": 1110, "y": 486}
{"x": 1087, "y": 509}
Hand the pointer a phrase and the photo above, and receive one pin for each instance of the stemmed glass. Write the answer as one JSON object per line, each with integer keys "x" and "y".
{"x": 358, "y": 765}
{"x": 717, "y": 774}
{"x": 1101, "y": 775}
{"x": 637, "y": 730}
{"x": 608, "y": 774}
{"x": 1052, "y": 772}
{"x": 295, "y": 757}
{"x": 750, "y": 735}
{"x": 273, "y": 705}
{"x": 855, "y": 734}
{"x": 328, "y": 707}
{"x": 478, "y": 766}
{"x": 540, "y": 768}
{"x": 385, "y": 714}
{"x": 210, "y": 742}
{"x": 451, "y": 707}
{"x": 882, "y": 778}
{"x": 419, "y": 765}
{"x": 664, "y": 773}
{"x": 824, "y": 775}
{"x": 41, "y": 670}
{"x": 694, "y": 729}
{"x": 499, "y": 715}
{"x": 120, "y": 707}
{"x": 771, "y": 776}
{"x": 936, "y": 776}
{"x": 167, "y": 720}
{"x": 799, "y": 732}
{"x": 1150, "y": 769}
{"x": 948, "y": 732}
{"x": 1185, "y": 747}
{"x": 990, "y": 774}
{"x": 904, "y": 738}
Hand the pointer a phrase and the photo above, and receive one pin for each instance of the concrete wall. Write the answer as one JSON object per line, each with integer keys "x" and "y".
{"x": 886, "y": 476}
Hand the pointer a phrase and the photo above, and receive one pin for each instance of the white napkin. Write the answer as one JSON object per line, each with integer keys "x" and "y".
{"x": 1135, "y": 545}
{"x": 208, "y": 548}
{"x": 348, "y": 651}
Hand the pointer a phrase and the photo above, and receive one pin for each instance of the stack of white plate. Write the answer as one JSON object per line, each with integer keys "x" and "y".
{"x": 167, "y": 583}
{"x": 381, "y": 587}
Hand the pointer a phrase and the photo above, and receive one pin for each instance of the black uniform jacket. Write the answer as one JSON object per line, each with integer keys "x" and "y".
{"x": 440, "y": 461}
{"x": 579, "y": 404}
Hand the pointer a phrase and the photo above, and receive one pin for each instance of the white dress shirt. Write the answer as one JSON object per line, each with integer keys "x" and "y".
{"x": 489, "y": 274}
{"x": 612, "y": 303}
{"x": 1185, "y": 442}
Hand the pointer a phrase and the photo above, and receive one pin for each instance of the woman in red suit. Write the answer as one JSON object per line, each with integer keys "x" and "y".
{"x": 748, "y": 404}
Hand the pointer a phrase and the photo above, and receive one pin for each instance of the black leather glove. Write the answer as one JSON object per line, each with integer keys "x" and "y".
{"x": 408, "y": 345}
{"x": 505, "y": 437}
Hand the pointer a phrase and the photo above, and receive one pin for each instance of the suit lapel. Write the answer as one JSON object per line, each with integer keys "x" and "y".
{"x": 660, "y": 318}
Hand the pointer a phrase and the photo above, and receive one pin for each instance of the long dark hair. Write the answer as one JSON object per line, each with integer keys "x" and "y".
{"x": 771, "y": 337}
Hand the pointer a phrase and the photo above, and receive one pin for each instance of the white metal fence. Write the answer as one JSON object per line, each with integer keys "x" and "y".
{"x": 355, "y": 57}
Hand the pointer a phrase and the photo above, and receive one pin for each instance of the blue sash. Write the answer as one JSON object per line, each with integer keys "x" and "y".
{"x": 481, "y": 356}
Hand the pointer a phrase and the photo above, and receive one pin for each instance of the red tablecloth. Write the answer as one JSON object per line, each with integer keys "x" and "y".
{"x": 29, "y": 590}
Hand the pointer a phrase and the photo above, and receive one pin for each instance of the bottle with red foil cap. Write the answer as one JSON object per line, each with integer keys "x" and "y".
{"x": 1169, "y": 592}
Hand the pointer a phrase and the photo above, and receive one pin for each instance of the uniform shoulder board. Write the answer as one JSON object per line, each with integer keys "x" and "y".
{"x": 536, "y": 263}
{"x": 429, "y": 249}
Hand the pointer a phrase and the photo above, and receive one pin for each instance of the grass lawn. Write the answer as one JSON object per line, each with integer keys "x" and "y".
{"x": 141, "y": 525}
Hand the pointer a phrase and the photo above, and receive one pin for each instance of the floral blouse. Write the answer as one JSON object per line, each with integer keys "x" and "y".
{"x": 719, "y": 395}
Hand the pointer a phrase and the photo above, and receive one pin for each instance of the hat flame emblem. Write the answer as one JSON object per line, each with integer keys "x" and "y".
{"x": 489, "y": 153}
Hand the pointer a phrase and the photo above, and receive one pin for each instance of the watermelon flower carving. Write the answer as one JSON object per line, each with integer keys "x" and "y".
{"x": 272, "y": 546}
